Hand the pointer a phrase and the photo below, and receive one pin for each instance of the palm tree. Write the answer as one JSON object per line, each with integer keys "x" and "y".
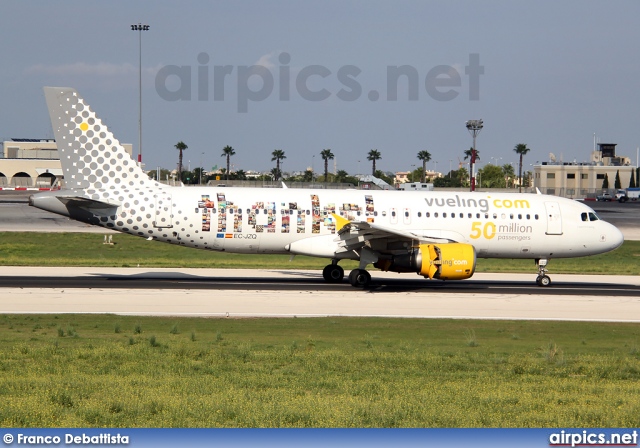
{"x": 277, "y": 155}
{"x": 341, "y": 175}
{"x": 180, "y": 146}
{"x": 228, "y": 151}
{"x": 521, "y": 149}
{"x": 425, "y": 157}
{"x": 469, "y": 154}
{"x": 374, "y": 155}
{"x": 326, "y": 155}
{"x": 240, "y": 175}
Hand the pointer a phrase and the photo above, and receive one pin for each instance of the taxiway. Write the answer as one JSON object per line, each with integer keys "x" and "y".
{"x": 279, "y": 293}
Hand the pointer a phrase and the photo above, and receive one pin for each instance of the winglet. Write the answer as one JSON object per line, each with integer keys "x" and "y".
{"x": 340, "y": 221}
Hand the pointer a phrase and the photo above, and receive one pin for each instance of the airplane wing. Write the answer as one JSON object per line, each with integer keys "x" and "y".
{"x": 353, "y": 235}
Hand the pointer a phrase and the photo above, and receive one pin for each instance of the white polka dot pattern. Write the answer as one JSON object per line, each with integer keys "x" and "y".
{"x": 97, "y": 167}
{"x": 92, "y": 158}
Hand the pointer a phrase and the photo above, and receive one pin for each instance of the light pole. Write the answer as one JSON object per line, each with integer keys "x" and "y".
{"x": 201, "y": 156}
{"x": 474, "y": 127}
{"x": 140, "y": 28}
{"x": 495, "y": 160}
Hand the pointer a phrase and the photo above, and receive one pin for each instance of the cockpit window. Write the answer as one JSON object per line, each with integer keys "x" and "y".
{"x": 589, "y": 216}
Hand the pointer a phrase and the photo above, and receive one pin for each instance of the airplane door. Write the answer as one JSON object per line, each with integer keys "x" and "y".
{"x": 554, "y": 218}
{"x": 406, "y": 216}
{"x": 164, "y": 211}
{"x": 393, "y": 216}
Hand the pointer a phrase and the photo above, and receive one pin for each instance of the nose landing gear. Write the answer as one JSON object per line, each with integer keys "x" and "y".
{"x": 542, "y": 279}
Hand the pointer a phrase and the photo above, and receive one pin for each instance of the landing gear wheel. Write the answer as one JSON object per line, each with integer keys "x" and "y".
{"x": 359, "y": 278}
{"x": 543, "y": 280}
{"x": 333, "y": 273}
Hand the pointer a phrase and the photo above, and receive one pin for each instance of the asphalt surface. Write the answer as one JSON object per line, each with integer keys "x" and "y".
{"x": 280, "y": 293}
{"x": 312, "y": 281}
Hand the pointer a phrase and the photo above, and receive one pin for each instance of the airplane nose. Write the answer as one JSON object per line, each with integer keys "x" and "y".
{"x": 614, "y": 237}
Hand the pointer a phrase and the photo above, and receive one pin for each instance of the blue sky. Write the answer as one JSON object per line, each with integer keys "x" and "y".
{"x": 554, "y": 73}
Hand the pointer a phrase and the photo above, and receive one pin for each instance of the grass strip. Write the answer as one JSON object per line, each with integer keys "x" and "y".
{"x": 124, "y": 371}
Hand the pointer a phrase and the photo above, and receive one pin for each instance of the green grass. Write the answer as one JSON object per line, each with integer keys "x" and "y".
{"x": 62, "y": 370}
{"x": 332, "y": 372}
{"x": 84, "y": 249}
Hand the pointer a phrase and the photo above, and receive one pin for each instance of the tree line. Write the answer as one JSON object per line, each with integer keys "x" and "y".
{"x": 489, "y": 177}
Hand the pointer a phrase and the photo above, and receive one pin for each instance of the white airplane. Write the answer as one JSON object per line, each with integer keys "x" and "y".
{"x": 437, "y": 235}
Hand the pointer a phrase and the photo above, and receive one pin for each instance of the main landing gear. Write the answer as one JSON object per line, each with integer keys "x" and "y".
{"x": 359, "y": 278}
{"x": 542, "y": 279}
{"x": 333, "y": 273}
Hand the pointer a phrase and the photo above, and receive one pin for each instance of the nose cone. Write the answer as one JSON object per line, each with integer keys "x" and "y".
{"x": 612, "y": 237}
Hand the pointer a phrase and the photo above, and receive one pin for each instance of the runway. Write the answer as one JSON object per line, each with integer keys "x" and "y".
{"x": 279, "y": 293}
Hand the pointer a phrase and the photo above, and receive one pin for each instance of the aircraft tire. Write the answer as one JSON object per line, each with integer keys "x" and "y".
{"x": 360, "y": 278}
{"x": 543, "y": 280}
{"x": 333, "y": 273}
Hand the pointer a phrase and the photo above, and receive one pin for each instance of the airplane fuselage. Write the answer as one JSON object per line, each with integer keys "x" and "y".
{"x": 266, "y": 220}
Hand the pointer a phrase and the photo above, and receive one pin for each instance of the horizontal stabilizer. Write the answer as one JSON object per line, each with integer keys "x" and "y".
{"x": 99, "y": 208}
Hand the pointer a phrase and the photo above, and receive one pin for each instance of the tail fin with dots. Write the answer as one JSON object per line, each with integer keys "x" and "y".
{"x": 92, "y": 158}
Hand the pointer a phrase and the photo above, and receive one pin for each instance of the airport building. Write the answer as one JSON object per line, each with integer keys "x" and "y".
{"x": 32, "y": 163}
{"x": 583, "y": 180}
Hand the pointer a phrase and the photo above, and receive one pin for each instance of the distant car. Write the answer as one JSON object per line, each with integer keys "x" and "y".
{"x": 604, "y": 197}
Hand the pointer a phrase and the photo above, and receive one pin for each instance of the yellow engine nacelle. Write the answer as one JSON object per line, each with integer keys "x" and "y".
{"x": 450, "y": 261}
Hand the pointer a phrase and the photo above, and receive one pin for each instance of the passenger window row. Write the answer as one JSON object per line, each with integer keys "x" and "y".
{"x": 520, "y": 216}
{"x": 479, "y": 215}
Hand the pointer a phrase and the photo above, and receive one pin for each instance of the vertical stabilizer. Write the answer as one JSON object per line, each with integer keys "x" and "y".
{"x": 91, "y": 157}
